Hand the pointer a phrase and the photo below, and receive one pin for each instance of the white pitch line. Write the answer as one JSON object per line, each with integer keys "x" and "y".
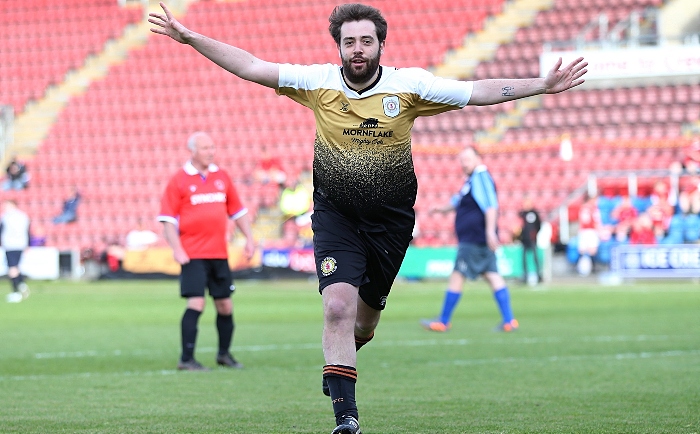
{"x": 457, "y": 362}
{"x": 161, "y": 372}
{"x": 316, "y": 346}
{"x": 553, "y": 359}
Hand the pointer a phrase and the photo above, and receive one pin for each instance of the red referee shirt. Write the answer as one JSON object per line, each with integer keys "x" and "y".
{"x": 201, "y": 207}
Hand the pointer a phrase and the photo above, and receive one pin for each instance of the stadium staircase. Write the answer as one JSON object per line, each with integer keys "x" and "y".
{"x": 482, "y": 44}
{"x": 53, "y": 51}
{"x": 114, "y": 121}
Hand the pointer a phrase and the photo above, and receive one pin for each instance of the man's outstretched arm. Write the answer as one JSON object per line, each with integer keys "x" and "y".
{"x": 236, "y": 61}
{"x": 488, "y": 92}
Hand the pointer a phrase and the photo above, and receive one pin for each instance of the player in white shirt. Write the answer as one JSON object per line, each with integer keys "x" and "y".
{"x": 14, "y": 238}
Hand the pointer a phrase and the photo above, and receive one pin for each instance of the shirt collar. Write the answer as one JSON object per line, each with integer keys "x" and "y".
{"x": 479, "y": 168}
{"x": 191, "y": 170}
{"x": 361, "y": 91}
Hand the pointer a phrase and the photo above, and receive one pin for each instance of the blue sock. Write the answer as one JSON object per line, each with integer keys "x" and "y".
{"x": 451, "y": 300}
{"x": 503, "y": 300}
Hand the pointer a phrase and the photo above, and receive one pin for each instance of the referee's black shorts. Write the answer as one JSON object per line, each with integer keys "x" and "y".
{"x": 368, "y": 260}
{"x": 213, "y": 274}
{"x": 13, "y": 257}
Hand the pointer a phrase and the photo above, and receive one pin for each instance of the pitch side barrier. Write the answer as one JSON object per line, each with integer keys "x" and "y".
{"x": 656, "y": 261}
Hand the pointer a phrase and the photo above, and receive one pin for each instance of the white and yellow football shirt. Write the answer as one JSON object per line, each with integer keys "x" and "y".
{"x": 362, "y": 152}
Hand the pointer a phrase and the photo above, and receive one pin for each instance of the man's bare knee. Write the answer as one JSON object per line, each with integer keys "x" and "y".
{"x": 337, "y": 310}
{"x": 224, "y": 306}
{"x": 196, "y": 303}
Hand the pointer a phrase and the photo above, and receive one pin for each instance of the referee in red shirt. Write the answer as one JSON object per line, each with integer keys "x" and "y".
{"x": 196, "y": 208}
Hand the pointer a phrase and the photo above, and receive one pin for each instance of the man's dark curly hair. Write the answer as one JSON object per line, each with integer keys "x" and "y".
{"x": 356, "y": 12}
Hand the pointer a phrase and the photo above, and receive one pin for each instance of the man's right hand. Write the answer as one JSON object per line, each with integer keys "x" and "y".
{"x": 181, "y": 256}
{"x": 168, "y": 25}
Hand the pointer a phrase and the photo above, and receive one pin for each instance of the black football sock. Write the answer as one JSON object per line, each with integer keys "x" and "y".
{"x": 360, "y": 342}
{"x": 188, "y": 328}
{"x": 15, "y": 283}
{"x": 341, "y": 381}
{"x": 225, "y": 326}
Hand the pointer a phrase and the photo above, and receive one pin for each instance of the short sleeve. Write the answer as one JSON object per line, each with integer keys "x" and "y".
{"x": 170, "y": 203}
{"x": 301, "y": 82}
{"x": 234, "y": 206}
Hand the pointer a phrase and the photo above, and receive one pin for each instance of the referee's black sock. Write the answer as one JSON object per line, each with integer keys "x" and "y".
{"x": 188, "y": 328}
{"x": 225, "y": 327}
{"x": 341, "y": 381}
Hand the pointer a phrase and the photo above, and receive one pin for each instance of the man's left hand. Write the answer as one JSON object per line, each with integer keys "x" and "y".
{"x": 492, "y": 240}
{"x": 560, "y": 80}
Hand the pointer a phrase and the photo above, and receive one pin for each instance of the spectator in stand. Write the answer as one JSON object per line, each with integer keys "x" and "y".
{"x": 590, "y": 224}
{"x": 689, "y": 197}
{"x": 37, "y": 236}
{"x": 662, "y": 208}
{"x": 530, "y": 225}
{"x": 295, "y": 199}
{"x": 643, "y": 231}
{"x": 660, "y": 218}
{"x": 269, "y": 168}
{"x": 140, "y": 238}
{"x": 17, "y": 177}
{"x": 691, "y": 159}
{"x": 69, "y": 213}
{"x": 290, "y": 235}
{"x": 663, "y": 197}
{"x": 624, "y": 215}
{"x": 113, "y": 254}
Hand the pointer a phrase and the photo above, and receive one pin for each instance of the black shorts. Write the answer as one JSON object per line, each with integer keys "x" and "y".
{"x": 214, "y": 274}
{"x": 13, "y": 257}
{"x": 368, "y": 260}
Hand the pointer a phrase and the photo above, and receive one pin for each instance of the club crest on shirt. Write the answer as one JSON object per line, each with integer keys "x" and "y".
{"x": 391, "y": 106}
{"x": 219, "y": 184}
{"x": 328, "y": 266}
{"x": 344, "y": 106}
{"x": 193, "y": 188}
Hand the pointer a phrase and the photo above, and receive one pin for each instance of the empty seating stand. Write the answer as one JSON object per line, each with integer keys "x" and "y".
{"x": 43, "y": 40}
{"x": 122, "y": 139}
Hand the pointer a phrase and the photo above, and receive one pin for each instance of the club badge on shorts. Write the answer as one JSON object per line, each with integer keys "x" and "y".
{"x": 391, "y": 106}
{"x": 328, "y": 266}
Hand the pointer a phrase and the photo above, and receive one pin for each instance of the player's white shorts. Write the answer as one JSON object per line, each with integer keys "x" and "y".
{"x": 588, "y": 240}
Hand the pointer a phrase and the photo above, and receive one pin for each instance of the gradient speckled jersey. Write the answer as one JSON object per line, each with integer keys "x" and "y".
{"x": 362, "y": 152}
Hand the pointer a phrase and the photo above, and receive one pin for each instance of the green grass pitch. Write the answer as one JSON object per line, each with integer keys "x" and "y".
{"x": 100, "y": 358}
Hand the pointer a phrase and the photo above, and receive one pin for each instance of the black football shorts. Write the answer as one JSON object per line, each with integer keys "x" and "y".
{"x": 13, "y": 257}
{"x": 368, "y": 260}
{"x": 199, "y": 274}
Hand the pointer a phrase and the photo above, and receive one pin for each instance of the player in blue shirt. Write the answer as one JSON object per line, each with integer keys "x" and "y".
{"x": 476, "y": 207}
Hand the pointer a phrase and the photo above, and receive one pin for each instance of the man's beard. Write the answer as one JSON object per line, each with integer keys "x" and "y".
{"x": 370, "y": 68}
